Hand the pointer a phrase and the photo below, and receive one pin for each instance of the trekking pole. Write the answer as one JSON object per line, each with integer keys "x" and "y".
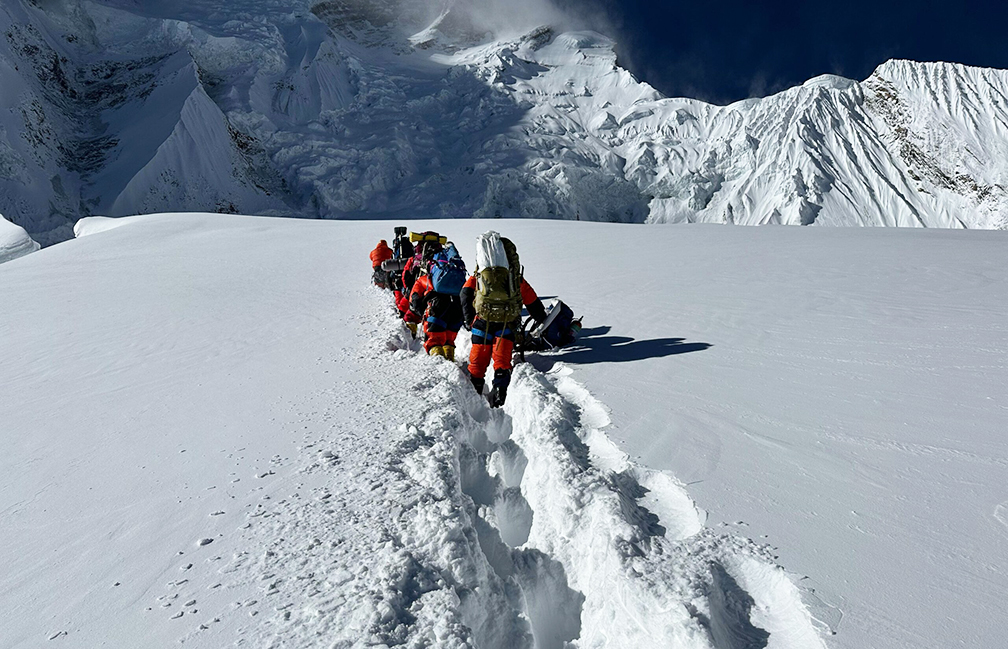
{"x": 521, "y": 347}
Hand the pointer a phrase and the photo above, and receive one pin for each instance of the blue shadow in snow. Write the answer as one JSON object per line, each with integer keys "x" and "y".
{"x": 593, "y": 346}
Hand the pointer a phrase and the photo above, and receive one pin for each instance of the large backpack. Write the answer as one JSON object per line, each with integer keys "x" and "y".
{"x": 447, "y": 271}
{"x": 559, "y": 329}
{"x": 402, "y": 248}
{"x": 498, "y": 279}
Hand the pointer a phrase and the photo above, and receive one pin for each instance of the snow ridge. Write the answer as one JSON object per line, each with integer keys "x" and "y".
{"x": 832, "y": 151}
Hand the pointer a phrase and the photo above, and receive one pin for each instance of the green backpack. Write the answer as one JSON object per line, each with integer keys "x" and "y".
{"x": 498, "y": 287}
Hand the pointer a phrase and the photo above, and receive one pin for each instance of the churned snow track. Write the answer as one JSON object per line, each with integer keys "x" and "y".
{"x": 591, "y": 549}
{"x": 412, "y": 514}
{"x": 369, "y": 540}
{"x": 633, "y": 542}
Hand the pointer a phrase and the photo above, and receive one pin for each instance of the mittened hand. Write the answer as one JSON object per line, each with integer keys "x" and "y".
{"x": 537, "y": 311}
{"x": 468, "y": 316}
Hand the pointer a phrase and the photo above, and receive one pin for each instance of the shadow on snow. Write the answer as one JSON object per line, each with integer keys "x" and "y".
{"x": 595, "y": 347}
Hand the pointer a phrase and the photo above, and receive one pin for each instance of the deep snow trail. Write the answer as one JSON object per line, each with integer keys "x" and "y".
{"x": 603, "y": 553}
{"x": 421, "y": 517}
{"x": 366, "y": 542}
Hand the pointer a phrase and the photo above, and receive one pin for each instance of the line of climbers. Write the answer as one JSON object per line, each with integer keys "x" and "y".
{"x": 432, "y": 288}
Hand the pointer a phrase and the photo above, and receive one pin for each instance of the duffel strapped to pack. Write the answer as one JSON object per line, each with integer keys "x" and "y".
{"x": 394, "y": 265}
{"x": 428, "y": 245}
{"x": 447, "y": 271}
{"x": 427, "y": 236}
{"x": 498, "y": 279}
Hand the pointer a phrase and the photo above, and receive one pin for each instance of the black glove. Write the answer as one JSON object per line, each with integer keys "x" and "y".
{"x": 537, "y": 311}
{"x": 467, "y": 296}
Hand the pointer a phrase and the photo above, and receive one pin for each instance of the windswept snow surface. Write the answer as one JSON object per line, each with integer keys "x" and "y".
{"x": 216, "y": 432}
{"x": 384, "y": 108}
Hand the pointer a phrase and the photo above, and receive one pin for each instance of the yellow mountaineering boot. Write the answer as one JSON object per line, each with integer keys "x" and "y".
{"x": 436, "y": 351}
{"x": 449, "y": 352}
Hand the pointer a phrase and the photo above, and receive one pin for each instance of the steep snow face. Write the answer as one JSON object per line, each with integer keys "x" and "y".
{"x": 948, "y": 127}
{"x": 14, "y": 241}
{"x": 915, "y": 145}
{"x": 104, "y": 112}
{"x": 384, "y": 108}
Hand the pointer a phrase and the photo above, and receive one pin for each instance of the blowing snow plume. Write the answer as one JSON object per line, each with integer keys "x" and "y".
{"x": 459, "y": 20}
{"x": 503, "y": 18}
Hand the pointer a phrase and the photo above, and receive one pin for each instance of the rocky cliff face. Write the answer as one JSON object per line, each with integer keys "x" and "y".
{"x": 339, "y": 109}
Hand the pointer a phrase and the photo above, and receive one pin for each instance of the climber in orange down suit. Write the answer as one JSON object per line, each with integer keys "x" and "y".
{"x": 494, "y": 340}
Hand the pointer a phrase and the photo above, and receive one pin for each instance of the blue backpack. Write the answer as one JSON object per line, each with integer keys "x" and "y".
{"x": 447, "y": 271}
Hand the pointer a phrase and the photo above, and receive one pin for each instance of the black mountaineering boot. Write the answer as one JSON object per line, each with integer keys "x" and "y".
{"x": 497, "y": 396}
{"x": 500, "y": 385}
{"x": 478, "y": 383}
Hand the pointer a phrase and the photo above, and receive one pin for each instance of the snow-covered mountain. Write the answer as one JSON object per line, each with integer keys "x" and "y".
{"x": 340, "y": 109}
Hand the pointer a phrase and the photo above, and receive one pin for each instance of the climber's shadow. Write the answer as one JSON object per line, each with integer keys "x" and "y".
{"x": 594, "y": 346}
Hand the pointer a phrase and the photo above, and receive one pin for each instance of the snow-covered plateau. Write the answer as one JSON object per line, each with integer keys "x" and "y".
{"x": 217, "y": 433}
{"x": 377, "y": 108}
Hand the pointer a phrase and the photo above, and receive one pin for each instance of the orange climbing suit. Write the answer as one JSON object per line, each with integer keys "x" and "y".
{"x": 493, "y": 341}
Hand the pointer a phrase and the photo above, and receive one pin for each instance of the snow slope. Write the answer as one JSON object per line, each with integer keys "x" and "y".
{"x": 388, "y": 108}
{"x": 218, "y": 433}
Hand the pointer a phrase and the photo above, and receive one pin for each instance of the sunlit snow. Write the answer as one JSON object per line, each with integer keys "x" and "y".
{"x": 217, "y": 432}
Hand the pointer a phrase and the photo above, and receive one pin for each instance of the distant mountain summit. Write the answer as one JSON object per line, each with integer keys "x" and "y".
{"x": 338, "y": 109}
